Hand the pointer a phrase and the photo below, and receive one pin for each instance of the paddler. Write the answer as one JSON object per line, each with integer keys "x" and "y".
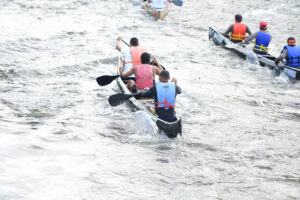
{"x": 144, "y": 74}
{"x": 164, "y": 93}
{"x": 158, "y": 5}
{"x": 262, "y": 39}
{"x": 237, "y": 32}
{"x": 291, "y": 53}
{"x": 131, "y": 56}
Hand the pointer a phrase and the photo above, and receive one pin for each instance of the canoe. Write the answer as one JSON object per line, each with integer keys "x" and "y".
{"x": 264, "y": 60}
{"x": 157, "y": 14}
{"x": 170, "y": 129}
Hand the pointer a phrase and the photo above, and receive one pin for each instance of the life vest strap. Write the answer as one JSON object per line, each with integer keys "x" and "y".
{"x": 261, "y": 48}
{"x": 291, "y": 60}
{"x": 166, "y": 104}
{"x": 236, "y": 37}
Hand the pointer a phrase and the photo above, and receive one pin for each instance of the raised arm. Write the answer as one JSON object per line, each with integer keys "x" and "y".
{"x": 118, "y": 45}
{"x": 158, "y": 65}
{"x": 130, "y": 72}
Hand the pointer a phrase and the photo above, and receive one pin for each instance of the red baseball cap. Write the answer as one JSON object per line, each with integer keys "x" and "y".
{"x": 263, "y": 25}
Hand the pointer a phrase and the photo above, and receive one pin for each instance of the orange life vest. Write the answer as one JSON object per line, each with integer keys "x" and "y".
{"x": 239, "y": 32}
{"x": 136, "y": 53}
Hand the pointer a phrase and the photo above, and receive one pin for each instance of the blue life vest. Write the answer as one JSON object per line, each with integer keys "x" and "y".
{"x": 166, "y": 93}
{"x": 293, "y": 57}
{"x": 262, "y": 42}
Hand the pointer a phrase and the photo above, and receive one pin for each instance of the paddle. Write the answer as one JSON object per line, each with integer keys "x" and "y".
{"x": 277, "y": 71}
{"x": 118, "y": 99}
{"x": 105, "y": 80}
{"x": 252, "y": 57}
{"x": 178, "y": 2}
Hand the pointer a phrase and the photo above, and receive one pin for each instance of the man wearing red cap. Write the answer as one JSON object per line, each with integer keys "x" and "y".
{"x": 262, "y": 39}
{"x": 237, "y": 32}
{"x": 291, "y": 53}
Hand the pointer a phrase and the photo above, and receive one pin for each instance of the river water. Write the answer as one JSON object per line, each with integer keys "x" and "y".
{"x": 60, "y": 139}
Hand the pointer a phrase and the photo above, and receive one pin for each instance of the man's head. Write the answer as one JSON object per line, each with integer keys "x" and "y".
{"x": 145, "y": 58}
{"x": 291, "y": 41}
{"x": 134, "y": 42}
{"x": 238, "y": 18}
{"x": 263, "y": 26}
{"x": 164, "y": 76}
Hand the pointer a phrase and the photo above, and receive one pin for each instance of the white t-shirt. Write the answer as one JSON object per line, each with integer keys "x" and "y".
{"x": 126, "y": 57}
{"x": 158, "y": 5}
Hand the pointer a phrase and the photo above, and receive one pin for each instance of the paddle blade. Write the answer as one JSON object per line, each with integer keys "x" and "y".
{"x": 105, "y": 80}
{"x": 276, "y": 71}
{"x": 136, "y": 4}
{"x": 118, "y": 99}
{"x": 178, "y": 2}
{"x": 251, "y": 57}
{"x": 170, "y": 129}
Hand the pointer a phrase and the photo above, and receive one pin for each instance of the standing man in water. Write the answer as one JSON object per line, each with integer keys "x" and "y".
{"x": 130, "y": 56}
{"x": 262, "y": 39}
{"x": 158, "y": 5}
{"x": 164, "y": 94}
{"x": 291, "y": 53}
{"x": 237, "y": 32}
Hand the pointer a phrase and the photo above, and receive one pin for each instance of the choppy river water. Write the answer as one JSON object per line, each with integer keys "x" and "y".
{"x": 60, "y": 139}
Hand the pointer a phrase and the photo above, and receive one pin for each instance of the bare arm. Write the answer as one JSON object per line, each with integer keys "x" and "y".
{"x": 130, "y": 72}
{"x": 121, "y": 65}
{"x": 118, "y": 45}
{"x": 158, "y": 65}
{"x": 156, "y": 71}
{"x": 248, "y": 30}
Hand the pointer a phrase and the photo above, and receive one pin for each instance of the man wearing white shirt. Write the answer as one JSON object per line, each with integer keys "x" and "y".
{"x": 158, "y": 5}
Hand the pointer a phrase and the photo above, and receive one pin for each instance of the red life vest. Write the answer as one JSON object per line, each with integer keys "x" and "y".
{"x": 136, "y": 53}
{"x": 143, "y": 76}
{"x": 239, "y": 32}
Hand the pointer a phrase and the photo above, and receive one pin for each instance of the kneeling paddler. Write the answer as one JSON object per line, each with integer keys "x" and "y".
{"x": 164, "y": 94}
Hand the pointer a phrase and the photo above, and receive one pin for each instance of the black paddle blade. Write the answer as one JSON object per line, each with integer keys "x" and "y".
{"x": 105, "y": 80}
{"x": 276, "y": 72}
{"x": 170, "y": 129}
{"x": 118, "y": 99}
